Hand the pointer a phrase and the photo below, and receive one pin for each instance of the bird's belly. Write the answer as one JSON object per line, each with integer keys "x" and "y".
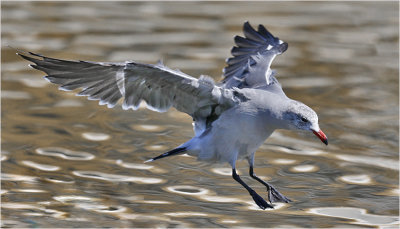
{"x": 227, "y": 143}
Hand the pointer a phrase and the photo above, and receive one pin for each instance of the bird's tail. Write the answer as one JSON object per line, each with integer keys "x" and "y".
{"x": 169, "y": 153}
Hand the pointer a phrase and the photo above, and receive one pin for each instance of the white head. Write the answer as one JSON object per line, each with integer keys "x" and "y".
{"x": 298, "y": 116}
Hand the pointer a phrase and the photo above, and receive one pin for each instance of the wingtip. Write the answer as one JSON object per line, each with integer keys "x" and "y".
{"x": 22, "y": 55}
{"x": 239, "y": 40}
{"x": 35, "y": 54}
{"x": 246, "y": 25}
{"x": 261, "y": 27}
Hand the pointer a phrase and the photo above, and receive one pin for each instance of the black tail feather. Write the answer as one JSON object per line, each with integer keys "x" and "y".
{"x": 169, "y": 153}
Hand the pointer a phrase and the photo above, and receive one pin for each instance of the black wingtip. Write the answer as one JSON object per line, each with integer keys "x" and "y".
{"x": 29, "y": 58}
{"x": 24, "y": 56}
{"x": 36, "y": 54}
{"x": 248, "y": 28}
{"x": 261, "y": 27}
{"x": 21, "y": 55}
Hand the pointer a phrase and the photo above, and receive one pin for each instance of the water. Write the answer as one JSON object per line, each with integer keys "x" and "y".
{"x": 68, "y": 162}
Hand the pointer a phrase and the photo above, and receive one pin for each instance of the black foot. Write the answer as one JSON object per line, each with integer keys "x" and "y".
{"x": 260, "y": 201}
{"x": 275, "y": 196}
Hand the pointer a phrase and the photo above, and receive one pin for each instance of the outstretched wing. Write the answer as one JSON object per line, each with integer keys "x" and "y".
{"x": 157, "y": 85}
{"x": 252, "y": 58}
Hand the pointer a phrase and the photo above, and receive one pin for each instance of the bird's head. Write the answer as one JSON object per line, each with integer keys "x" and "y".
{"x": 298, "y": 116}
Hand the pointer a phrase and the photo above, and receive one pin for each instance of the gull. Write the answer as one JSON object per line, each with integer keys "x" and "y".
{"x": 231, "y": 118}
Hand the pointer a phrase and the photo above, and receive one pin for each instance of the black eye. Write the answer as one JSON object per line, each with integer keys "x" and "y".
{"x": 304, "y": 119}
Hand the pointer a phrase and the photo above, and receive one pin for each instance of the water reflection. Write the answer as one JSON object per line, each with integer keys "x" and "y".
{"x": 117, "y": 178}
{"x": 138, "y": 166}
{"x": 148, "y": 128}
{"x": 95, "y": 136}
{"x": 360, "y": 216}
{"x": 72, "y": 198}
{"x": 283, "y": 161}
{"x": 64, "y": 153}
{"x": 304, "y": 168}
{"x": 54, "y": 178}
{"x": 187, "y": 190}
{"x": 356, "y": 179}
{"x": 16, "y": 177}
{"x": 69, "y": 103}
{"x": 223, "y": 171}
{"x": 29, "y": 190}
{"x": 67, "y": 162}
{"x": 374, "y": 161}
{"x": 15, "y": 95}
{"x": 185, "y": 214}
{"x": 41, "y": 210}
{"x": 40, "y": 166}
{"x": 254, "y": 207}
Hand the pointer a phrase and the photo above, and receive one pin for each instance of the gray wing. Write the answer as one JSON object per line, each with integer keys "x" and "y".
{"x": 157, "y": 85}
{"x": 252, "y": 57}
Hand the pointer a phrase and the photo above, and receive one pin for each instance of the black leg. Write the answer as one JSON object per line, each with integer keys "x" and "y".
{"x": 258, "y": 199}
{"x": 273, "y": 194}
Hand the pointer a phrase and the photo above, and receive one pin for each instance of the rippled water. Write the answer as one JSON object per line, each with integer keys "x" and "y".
{"x": 68, "y": 162}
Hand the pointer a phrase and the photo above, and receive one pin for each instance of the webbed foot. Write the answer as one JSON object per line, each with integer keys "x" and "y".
{"x": 275, "y": 196}
{"x": 260, "y": 201}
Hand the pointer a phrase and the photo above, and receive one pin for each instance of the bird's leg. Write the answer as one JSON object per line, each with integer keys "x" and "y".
{"x": 257, "y": 198}
{"x": 273, "y": 194}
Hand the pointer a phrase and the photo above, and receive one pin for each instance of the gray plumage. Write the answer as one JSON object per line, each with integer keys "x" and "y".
{"x": 252, "y": 58}
{"x": 231, "y": 118}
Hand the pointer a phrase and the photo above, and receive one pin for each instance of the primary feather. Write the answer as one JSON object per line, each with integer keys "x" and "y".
{"x": 252, "y": 58}
{"x": 157, "y": 85}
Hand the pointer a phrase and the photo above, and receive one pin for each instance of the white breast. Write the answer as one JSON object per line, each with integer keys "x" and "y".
{"x": 236, "y": 134}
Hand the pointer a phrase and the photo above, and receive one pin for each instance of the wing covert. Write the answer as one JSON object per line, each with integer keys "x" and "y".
{"x": 157, "y": 85}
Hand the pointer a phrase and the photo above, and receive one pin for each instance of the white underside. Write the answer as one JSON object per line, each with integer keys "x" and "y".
{"x": 235, "y": 135}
